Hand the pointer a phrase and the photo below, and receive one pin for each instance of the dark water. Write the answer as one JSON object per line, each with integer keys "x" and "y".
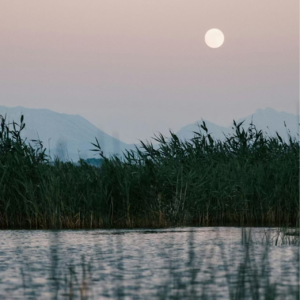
{"x": 182, "y": 263}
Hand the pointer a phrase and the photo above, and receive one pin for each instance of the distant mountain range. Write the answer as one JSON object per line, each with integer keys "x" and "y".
{"x": 69, "y": 137}
{"x": 268, "y": 120}
{"x": 65, "y": 136}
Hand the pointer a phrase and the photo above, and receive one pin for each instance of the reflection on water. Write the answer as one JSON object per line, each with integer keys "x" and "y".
{"x": 184, "y": 263}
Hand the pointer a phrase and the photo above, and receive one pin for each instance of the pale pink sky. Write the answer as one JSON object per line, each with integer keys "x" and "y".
{"x": 140, "y": 66}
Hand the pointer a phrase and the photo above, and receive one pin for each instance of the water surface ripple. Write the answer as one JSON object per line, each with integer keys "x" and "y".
{"x": 181, "y": 263}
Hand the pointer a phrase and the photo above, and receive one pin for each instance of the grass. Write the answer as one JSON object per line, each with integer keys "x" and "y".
{"x": 248, "y": 179}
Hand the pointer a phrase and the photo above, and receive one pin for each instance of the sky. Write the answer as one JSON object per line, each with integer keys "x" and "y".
{"x": 133, "y": 67}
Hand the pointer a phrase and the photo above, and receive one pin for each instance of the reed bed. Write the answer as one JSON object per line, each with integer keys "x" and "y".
{"x": 250, "y": 178}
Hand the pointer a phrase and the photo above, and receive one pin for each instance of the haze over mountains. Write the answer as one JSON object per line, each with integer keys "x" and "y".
{"x": 268, "y": 120}
{"x": 69, "y": 136}
{"x": 66, "y": 136}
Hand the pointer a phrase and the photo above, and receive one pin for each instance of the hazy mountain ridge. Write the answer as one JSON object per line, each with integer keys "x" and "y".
{"x": 268, "y": 120}
{"x": 69, "y": 137}
{"x": 66, "y": 136}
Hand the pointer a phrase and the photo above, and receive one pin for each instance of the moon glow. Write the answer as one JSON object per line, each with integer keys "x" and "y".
{"x": 214, "y": 38}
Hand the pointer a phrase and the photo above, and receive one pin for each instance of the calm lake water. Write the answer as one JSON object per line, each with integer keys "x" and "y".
{"x": 181, "y": 263}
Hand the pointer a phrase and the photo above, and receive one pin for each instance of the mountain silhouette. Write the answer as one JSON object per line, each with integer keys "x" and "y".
{"x": 268, "y": 120}
{"x": 65, "y": 136}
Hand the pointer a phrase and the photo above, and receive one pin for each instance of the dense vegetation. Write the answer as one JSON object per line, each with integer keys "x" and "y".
{"x": 250, "y": 178}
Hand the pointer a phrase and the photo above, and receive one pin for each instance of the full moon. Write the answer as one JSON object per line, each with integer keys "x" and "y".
{"x": 214, "y": 38}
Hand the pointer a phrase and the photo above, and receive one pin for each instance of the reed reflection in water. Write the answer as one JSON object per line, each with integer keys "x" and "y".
{"x": 182, "y": 263}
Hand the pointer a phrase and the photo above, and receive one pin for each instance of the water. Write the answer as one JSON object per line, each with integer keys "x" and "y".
{"x": 181, "y": 263}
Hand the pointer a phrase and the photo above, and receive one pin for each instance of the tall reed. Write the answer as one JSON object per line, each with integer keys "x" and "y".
{"x": 250, "y": 178}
